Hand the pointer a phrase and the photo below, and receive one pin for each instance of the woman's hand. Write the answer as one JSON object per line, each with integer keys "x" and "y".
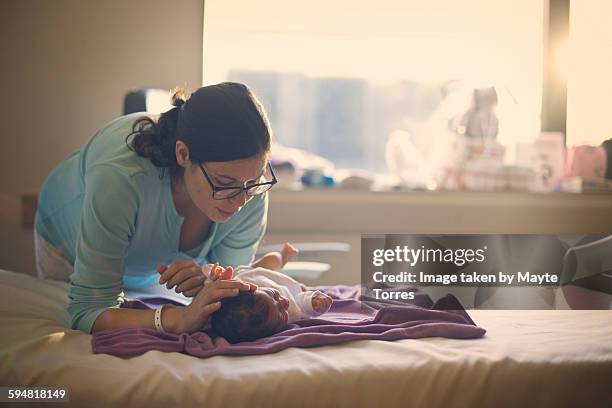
{"x": 207, "y": 301}
{"x": 185, "y": 274}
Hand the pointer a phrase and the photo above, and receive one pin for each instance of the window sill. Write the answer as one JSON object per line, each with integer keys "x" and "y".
{"x": 335, "y": 210}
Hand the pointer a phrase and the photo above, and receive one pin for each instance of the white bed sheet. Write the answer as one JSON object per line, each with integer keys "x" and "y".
{"x": 528, "y": 358}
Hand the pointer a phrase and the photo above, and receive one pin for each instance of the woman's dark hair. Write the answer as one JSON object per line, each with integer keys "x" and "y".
{"x": 221, "y": 122}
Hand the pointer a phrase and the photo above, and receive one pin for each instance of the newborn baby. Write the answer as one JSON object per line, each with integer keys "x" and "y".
{"x": 278, "y": 301}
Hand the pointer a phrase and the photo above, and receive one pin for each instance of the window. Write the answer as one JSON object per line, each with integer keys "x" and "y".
{"x": 589, "y": 82}
{"x": 338, "y": 77}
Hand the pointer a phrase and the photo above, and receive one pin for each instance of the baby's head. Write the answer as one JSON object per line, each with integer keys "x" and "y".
{"x": 249, "y": 316}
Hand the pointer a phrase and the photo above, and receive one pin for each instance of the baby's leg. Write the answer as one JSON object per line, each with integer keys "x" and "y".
{"x": 271, "y": 260}
{"x": 276, "y": 260}
{"x": 288, "y": 252}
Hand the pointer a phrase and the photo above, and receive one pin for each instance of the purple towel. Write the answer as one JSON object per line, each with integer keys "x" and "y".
{"x": 349, "y": 319}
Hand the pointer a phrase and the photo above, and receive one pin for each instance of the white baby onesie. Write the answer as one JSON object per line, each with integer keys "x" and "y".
{"x": 300, "y": 301}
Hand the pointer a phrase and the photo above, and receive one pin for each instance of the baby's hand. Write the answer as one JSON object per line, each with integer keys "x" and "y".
{"x": 321, "y": 302}
{"x": 218, "y": 272}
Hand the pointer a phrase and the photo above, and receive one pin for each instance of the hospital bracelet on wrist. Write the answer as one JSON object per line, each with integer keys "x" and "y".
{"x": 158, "y": 322}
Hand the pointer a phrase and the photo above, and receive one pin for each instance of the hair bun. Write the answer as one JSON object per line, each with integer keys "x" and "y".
{"x": 179, "y": 97}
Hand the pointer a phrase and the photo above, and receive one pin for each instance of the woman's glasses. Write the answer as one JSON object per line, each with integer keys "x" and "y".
{"x": 224, "y": 193}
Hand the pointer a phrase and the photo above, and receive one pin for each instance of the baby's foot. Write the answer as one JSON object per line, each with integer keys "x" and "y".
{"x": 288, "y": 252}
{"x": 321, "y": 302}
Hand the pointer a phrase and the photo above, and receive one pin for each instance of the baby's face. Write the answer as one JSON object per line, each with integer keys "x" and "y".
{"x": 278, "y": 308}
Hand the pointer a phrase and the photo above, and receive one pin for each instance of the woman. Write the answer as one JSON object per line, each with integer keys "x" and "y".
{"x": 177, "y": 191}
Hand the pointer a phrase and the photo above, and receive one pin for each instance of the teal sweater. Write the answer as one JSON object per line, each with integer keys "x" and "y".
{"x": 108, "y": 212}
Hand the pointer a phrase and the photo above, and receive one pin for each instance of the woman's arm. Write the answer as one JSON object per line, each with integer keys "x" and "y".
{"x": 175, "y": 319}
{"x": 108, "y": 217}
{"x": 172, "y": 319}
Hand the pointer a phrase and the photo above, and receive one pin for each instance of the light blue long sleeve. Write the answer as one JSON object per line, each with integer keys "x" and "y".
{"x": 111, "y": 215}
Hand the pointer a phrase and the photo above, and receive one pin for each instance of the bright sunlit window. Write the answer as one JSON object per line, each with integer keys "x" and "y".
{"x": 339, "y": 77}
{"x": 589, "y": 81}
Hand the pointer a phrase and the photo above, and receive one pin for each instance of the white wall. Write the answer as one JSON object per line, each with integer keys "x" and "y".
{"x": 343, "y": 215}
{"x": 66, "y": 65}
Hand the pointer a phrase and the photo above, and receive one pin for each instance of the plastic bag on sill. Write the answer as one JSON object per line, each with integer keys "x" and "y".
{"x": 471, "y": 134}
{"x": 292, "y": 165}
{"x": 405, "y": 161}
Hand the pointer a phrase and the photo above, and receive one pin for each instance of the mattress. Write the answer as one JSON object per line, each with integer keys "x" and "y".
{"x": 549, "y": 358}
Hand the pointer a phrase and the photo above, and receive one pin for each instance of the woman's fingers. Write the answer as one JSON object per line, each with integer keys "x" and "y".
{"x": 231, "y": 284}
{"x": 170, "y": 271}
{"x": 208, "y": 296}
{"x": 218, "y": 290}
{"x": 218, "y": 294}
{"x": 193, "y": 292}
{"x": 191, "y": 283}
{"x": 183, "y": 275}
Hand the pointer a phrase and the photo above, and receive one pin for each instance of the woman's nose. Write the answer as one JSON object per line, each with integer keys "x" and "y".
{"x": 240, "y": 199}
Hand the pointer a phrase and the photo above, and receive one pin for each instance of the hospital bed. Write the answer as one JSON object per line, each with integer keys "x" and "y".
{"x": 529, "y": 358}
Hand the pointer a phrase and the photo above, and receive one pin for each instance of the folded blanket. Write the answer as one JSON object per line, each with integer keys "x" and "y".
{"x": 350, "y": 318}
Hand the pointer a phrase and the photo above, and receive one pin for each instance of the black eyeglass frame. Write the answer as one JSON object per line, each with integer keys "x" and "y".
{"x": 216, "y": 189}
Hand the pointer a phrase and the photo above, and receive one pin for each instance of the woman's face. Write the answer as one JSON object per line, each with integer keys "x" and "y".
{"x": 236, "y": 173}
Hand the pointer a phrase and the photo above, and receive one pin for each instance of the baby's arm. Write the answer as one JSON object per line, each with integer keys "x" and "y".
{"x": 313, "y": 302}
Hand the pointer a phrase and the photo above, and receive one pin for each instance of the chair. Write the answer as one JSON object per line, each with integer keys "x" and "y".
{"x": 152, "y": 100}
